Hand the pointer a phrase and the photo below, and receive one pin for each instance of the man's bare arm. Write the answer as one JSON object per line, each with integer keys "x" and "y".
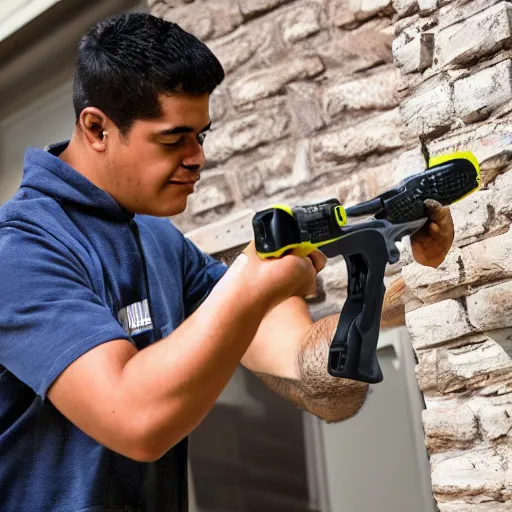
{"x": 141, "y": 403}
{"x": 330, "y": 398}
{"x": 393, "y": 308}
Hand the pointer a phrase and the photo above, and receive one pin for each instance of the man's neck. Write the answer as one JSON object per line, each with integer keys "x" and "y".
{"x": 75, "y": 155}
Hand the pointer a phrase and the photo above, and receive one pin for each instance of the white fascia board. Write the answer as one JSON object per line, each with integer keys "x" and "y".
{"x": 14, "y": 14}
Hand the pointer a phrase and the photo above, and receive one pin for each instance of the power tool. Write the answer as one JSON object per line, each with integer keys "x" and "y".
{"x": 367, "y": 245}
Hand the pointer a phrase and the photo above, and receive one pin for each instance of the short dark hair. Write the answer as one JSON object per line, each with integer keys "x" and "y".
{"x": 125, "y": 62}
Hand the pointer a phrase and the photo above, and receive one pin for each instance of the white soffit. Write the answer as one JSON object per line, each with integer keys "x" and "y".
{"x": 14, "y": 14}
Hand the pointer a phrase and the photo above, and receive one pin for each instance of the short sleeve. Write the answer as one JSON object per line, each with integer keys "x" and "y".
{"x": 202, "y": 272}
{"x": 49, "y": 313}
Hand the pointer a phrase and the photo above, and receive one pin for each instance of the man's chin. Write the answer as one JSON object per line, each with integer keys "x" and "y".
{"x": 160, "y": 206}
{"x": 170, "y": 210}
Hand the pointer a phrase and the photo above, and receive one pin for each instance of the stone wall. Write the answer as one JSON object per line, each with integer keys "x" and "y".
{"x": 456, "y": 93}
{"x": 342, "y": 98}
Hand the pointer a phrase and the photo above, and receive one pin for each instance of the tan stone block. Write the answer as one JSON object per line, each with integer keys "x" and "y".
{"x": 246, "y": 133}
{"x": 427, "y": 7}
{"x": 158, "y": 9}
{"x": 252, "y": 8}
{"x": 359, "y": 49}
{"x": 254, "y": 42}
{"x": 263, "y": 83}
{"x": 476, "y": 96}
{"x": 491, "y": 308}
{"x": 435, "y": 324}
{"x": 382, "y": 177}
{"x": 416, "y": 55}
{"x": 302, "y": 20}
{"x": 471, "y": 216}
{"x": 218, "y": 103}
{"x": 428, "y": 111}
{"x": 502, "y": 195}
{"x": 378, "y": 179}
{"x": 272, "y": 173}
{"x": 207, "y": 20}
{"x": 452, "y": 12}
{"x": 472, "y": 366}
{"x": 482, "y": 34}
{"x": 495, "y": 421}
{"x": 426, "y": 370}
{"x": 497, "y": 389}
{"x": 449, "y": 428}
{"x": 405, "y": 7}
{"x": 376, "y": 135}
{"x": 342, "y": 13}
{"x": 353, "y": 190}
{"x": 303, "y": 100}
{"x": 481, "y": 262}
{"x": 409, "y": 163}
{"x": 363, "y": 9}
{"x": 348, "y": 13}
{"x": 212, "y": 191}
{"x": 249, "y": 181}
{"x": 488, "y": 506}
{"x": 488, "y": 260}
{"x": 474, "y": 473}
{"x": 427, "y": 282}
{"x": 378, "y": 92}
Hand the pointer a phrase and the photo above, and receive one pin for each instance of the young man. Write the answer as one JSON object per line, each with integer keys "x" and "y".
{"x": 117, "y": 334}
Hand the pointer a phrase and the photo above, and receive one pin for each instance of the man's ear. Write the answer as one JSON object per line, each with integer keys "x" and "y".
{"x": 93, "y": 123}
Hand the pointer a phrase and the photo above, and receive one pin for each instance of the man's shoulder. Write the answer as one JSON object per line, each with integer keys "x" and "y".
{"x": 23, "y": 207}
{"x": 25, "y": 221}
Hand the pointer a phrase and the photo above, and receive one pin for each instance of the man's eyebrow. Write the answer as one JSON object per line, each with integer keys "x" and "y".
{"x": 183, "y": 129}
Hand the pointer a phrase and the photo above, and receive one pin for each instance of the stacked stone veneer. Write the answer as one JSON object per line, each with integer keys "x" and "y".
{"x": 342, "y": 98}
{"x": 456, "y": 93}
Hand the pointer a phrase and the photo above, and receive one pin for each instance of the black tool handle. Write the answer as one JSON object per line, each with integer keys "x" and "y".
{"x": 353, "y": 351}
{"x": 367, "y": 248}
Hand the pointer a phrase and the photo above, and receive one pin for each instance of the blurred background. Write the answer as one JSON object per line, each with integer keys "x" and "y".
{"x": 255, "y": 452}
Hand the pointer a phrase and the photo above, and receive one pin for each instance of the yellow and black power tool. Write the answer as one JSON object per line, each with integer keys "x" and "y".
{"x": 367, "y": 246}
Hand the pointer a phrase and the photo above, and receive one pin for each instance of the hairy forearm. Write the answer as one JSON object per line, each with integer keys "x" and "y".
{"x": 393, "y": 308}
{"x": 330, "y": 398}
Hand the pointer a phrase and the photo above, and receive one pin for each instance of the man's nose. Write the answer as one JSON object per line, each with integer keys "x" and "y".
{"x": 194, "y": 159}
{"x": 191, "y": 168}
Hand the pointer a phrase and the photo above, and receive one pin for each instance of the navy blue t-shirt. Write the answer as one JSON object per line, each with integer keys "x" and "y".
{"x": 76, "y": 271}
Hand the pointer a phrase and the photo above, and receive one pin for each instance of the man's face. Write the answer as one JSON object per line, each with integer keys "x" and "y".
{"x": 154, "y": 168}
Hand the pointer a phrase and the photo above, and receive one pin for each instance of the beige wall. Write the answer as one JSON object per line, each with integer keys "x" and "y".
{"x": 47, "y": 119}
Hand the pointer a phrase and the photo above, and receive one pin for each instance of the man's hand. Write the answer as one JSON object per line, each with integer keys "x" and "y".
{"x": 431, "y": 243}
{"x": 285, "y": 277}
